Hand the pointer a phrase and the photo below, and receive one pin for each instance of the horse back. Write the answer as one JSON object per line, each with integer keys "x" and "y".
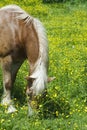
{"x": 17, "y": 32}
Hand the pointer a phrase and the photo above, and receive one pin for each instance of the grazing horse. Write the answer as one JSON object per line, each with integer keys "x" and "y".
{"x": 22, "y": 37}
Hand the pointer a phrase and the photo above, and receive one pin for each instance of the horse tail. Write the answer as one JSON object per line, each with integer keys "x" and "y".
{"x": 40, "y": 72}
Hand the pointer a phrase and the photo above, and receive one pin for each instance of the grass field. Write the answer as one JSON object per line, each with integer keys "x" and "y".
{"x": 65, "y": 106}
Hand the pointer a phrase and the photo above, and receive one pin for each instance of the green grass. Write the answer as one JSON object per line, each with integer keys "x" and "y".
{"x": 65, "y": 105}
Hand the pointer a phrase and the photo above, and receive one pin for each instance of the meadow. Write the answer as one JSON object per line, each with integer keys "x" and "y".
{"x": 65, "y": 105}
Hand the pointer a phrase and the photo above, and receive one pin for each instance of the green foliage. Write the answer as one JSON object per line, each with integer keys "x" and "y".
{"x": 64, "y": 105}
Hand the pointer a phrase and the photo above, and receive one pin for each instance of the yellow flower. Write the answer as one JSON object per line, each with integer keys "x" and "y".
{"x": 12, "y": 115}
{"x": 40, "y": 105}
{"x": 85, "y": 109}
{"x": 55, "y": 95}
{"x": 2, "y": 120}
{"x": 57, "y": 113}
{"x": 67, "y": 116}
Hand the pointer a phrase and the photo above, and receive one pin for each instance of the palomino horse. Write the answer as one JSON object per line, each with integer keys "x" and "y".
{"x": 22, "y": 37}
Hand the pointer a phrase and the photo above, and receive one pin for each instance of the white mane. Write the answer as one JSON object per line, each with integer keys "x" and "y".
{"x": 40, "y": 72}
{"x": 20, "y": 14}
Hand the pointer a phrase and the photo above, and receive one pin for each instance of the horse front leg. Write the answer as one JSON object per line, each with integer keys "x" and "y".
{"x": 31, "y": 98}
{"x": 32, "y": 103}
{"x": 7, "y": 84}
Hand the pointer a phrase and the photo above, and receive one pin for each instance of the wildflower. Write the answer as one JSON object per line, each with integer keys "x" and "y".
{"x": 40, "y": 106}
{"x": 67, "y": 116}
{"x": 86, "y": 126}
{"x": 55, "y": 95}
{"x": 12, "y": 115}
{"x": 75, "y": 126}
{"x": 9, "y": 120}
{"x": 57, "y": 113}
{"x": 69, "y": 123}
{"x": 37, "y": 123}
{"x": 85, "y": 109}
{"x": 71, "y": 112}
{"x": 2, "y": 120}
{"x": 15, "y": 99}
{"x": 79, "y": 110}
{"x": 77, "y": 105}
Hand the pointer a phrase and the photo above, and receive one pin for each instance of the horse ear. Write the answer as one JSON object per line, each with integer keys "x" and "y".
{"x": 50, "y": 79}
{"x": 29, "y": 78}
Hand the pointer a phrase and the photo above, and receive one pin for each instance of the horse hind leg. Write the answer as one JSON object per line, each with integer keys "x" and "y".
{"x": 7, "y": 83}
{"x": 6, "y": 80}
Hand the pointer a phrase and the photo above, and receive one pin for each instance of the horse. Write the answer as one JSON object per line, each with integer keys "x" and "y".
{"x": 22, "y": 37}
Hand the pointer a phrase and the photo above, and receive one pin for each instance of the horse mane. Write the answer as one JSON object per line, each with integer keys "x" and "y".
{"x": 20, "y": 13}
{"x": 40, "y": 71}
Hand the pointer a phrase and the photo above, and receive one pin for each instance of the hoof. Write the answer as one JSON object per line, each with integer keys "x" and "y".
{"x": 11, "y": 109}
{"x": 6, "y": 102}
{"x": 30, "y": 112}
